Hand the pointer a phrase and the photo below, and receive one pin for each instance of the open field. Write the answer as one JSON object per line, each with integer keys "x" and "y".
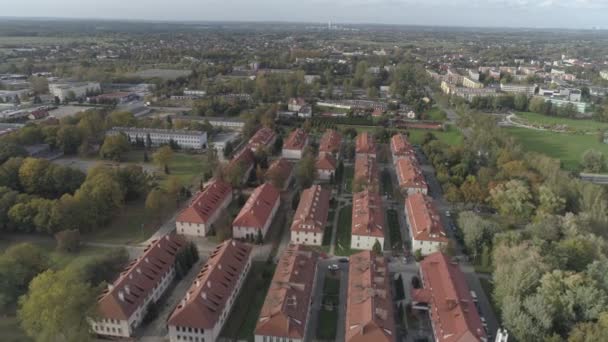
{"x": 344, "y": 232}
{"x": 569, "y": 148}
{"x": 242, "y": 320}
{"x": 573, "y": 124}
{"x": 451, "y": 136}
{"x": 436, "y": 114}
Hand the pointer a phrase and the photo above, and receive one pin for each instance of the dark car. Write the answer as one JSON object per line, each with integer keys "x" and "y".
{"x": 343, "y": 260}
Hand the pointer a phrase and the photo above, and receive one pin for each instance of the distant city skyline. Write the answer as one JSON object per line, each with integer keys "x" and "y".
{"x": 469, "y": 13}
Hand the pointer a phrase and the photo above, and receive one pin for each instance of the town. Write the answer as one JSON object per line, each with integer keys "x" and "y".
{"x": 299, "y": 182}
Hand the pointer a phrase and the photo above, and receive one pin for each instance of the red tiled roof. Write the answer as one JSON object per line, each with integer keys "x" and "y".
{"x": 262, "y": 138}
{"x": 311, "y": 215}
{"x": 297, "y": 140}
{"x": 258, "y": 208}
{"x": 409, "y": 174}
{"x": 245, "y": 157}
{"x": 330, "y": 142}
{"x": 365, "y": 143}
{"x": 285, "y": 310}
{"x": 453, "y": 312}
{"x": 282, "y": 166}
{"x": 297, "y": 101}
{"x": 423, "y": 218}
{"x": 140, "y": 277}
{"x": 377, "y": 112}
{"x": 326, "y": 162}
{"x": 215, "y": 282}
{"x": 368, "y": 215}
{"x": 400, "y": 146}
{"x": 369, "y": 304}
{"x": 206, "y": 202}
{"x": 366, "y": 171}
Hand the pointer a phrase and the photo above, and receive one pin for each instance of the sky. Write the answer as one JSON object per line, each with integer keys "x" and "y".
{"x": 496, "y": 13}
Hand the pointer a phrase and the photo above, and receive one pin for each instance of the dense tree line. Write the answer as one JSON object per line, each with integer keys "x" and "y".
{"x": 546, "y": 240}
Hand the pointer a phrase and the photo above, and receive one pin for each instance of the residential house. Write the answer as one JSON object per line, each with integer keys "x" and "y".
{"x": 401, "y": 148}
{"x": 294, "y": 146}
{"x": 206, "y": 207}
{"x": 326, "y": 166}
{"x": 286, "y": 311}
{"x": 330, "y": 143}
{"x": 365, "y": 144}
{"x": 257, "y": 214}
{"x": 410, "y": 177}
{"x": 446, "y": 296}
{"x": 124, "y": 304}
{"x": 280, "y": 173}
{"x": 263, "y": 138}
{"x": 295, "y": 104}
{"x": 201, "y": 314}
{"x": 311, "y": 216}
{"x": 244, "y": 160}
{"x": 366, "y": 174}
{"x": 185, "y": 139}
{"x": 426, "y": 230}
{"x": 369, "y": 302}
{"x": 367, "y": 220}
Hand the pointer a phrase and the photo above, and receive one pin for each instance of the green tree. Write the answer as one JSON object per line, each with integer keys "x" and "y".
{"x": 68, "y": 240}
{"x": 513, "y": 200}
{"x": 521, "y": 102}
{"x": 10, "y": 150}
{"x": 477, "y": 232}
{"x": 155, "y": 202}
{"x": 69, "y": 139}
{"x": 593, "y": 161}
{"x": 377, "y": 248}
{"x": 19, "y": 264}
{"x": 306, "y": 171}
{"x": 163, "y": 156}
{"x": 114, "y": 146}
{"x": 56, "y": 307}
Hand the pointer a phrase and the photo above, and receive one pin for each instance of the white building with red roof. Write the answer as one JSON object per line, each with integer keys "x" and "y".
{"x": 244, "y": 160}
{"x": 294, "y": 146}
{"x": 401, "y": 147}
{"x": 201, "y": 314}
{"x": 426, "y": 230}
{"x": 326, "y": 166}
{"x": 280, "y": 173}
{"x": 198, "y": 218}
{"x": 367, "y": 220}
{"x": 311, "y": 217}
{"x": 295, "y": 104}
{"x": 263, "y": 138}
{"x": 330, "y": 143}
{"x": 454, "y": 317}
{"x": 286, "y": 310}
{"x": 123, "y": 305}
{"x": 257, "y": 213}
{"x": 365, "y": 144}
{"x": 369, "y": 303}
{"x": 410, "y": 177}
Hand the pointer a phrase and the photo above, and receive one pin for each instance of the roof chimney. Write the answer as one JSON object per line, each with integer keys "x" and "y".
{"x": 127, "y": 289}
{"x": 121, "y": 296}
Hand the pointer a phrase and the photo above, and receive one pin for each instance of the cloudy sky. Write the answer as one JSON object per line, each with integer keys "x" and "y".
{"x": 504, "y": 13}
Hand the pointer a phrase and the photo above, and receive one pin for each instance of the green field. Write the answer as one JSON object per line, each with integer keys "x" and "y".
{"x": 436, "y": 114}
{"x": 244, "y": 316}
{"x": 132, "y": 225}
{"x": 186, "y": 167}
{"x": 328, "y": 319}
{"x": 573, "y": 124}
{"x": 568, "y": 148}
{"x": 344, "y": 232}
{"x": 394, "y": 231}
{"x": 451, "y": 136}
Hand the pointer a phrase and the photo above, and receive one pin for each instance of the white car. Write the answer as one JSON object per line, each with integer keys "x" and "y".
{"x": 333, "y": 267}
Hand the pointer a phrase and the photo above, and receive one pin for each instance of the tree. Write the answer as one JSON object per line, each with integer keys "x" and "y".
{"x": 593, "y": 161}
{"x": 114, "y": 146}
{"x": 259, "y": 238}
{"x": 210, "y": 163}
{"x": 162, "y": 157}
{"x": 228, "y": 149}
{"x": 174, "y": 187}
{"x": 513, "y": 200}
{"x": 120, "y": 119}
{"x": 377, "y": 248}
{"x": 155, "y": 202}
{"x": 11, "y": 150}
{"x": 19, "y": 264}
{"x": 306, "y": 172}
{"x": 69, "y": 139}
{"x": 549, "y": 202}
{"x": 56, "y": 307}
{"x": 521, "y": 102}
{"x": 477, "y": 232}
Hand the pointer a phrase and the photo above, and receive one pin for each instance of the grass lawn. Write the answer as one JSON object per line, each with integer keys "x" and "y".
{"x": 573, "y": 124}
{"x": 126, "y": 226}
{"x": 244, "y": 316}
{"x": 186, "y": 167}
{"x": 394, "y": 232}
{"x": 344, "y": 232}
{"x": 328, "y": 319}
{"x": 568, "y": 148}
{"x": 349, "y": 173}
{"x": 436, "y": 114}
{"x": 450, "y": 136}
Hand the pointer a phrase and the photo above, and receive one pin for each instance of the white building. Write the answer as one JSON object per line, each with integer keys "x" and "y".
{"x": 367, "y": 221}
{"x": 604, "y": 74}
{"x": 123, "y": 306}
{"x": 518, "y": 89}
{"x": 77, "y": 89}
{"x": 294, "y": 146}
{"x": 198, "y": 218}
{"x": 185, "y": 139}
{"x": 310, "y": 218}
{"x": 425, "y": 227}
{"x": 257, "y": 214}
{"x": 229, "y": 123}
{"x": 201, "y": 314}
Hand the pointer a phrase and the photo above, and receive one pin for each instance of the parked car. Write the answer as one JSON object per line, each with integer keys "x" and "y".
{"x": 333, "y": 267}
{"x": 343, "y": 260}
